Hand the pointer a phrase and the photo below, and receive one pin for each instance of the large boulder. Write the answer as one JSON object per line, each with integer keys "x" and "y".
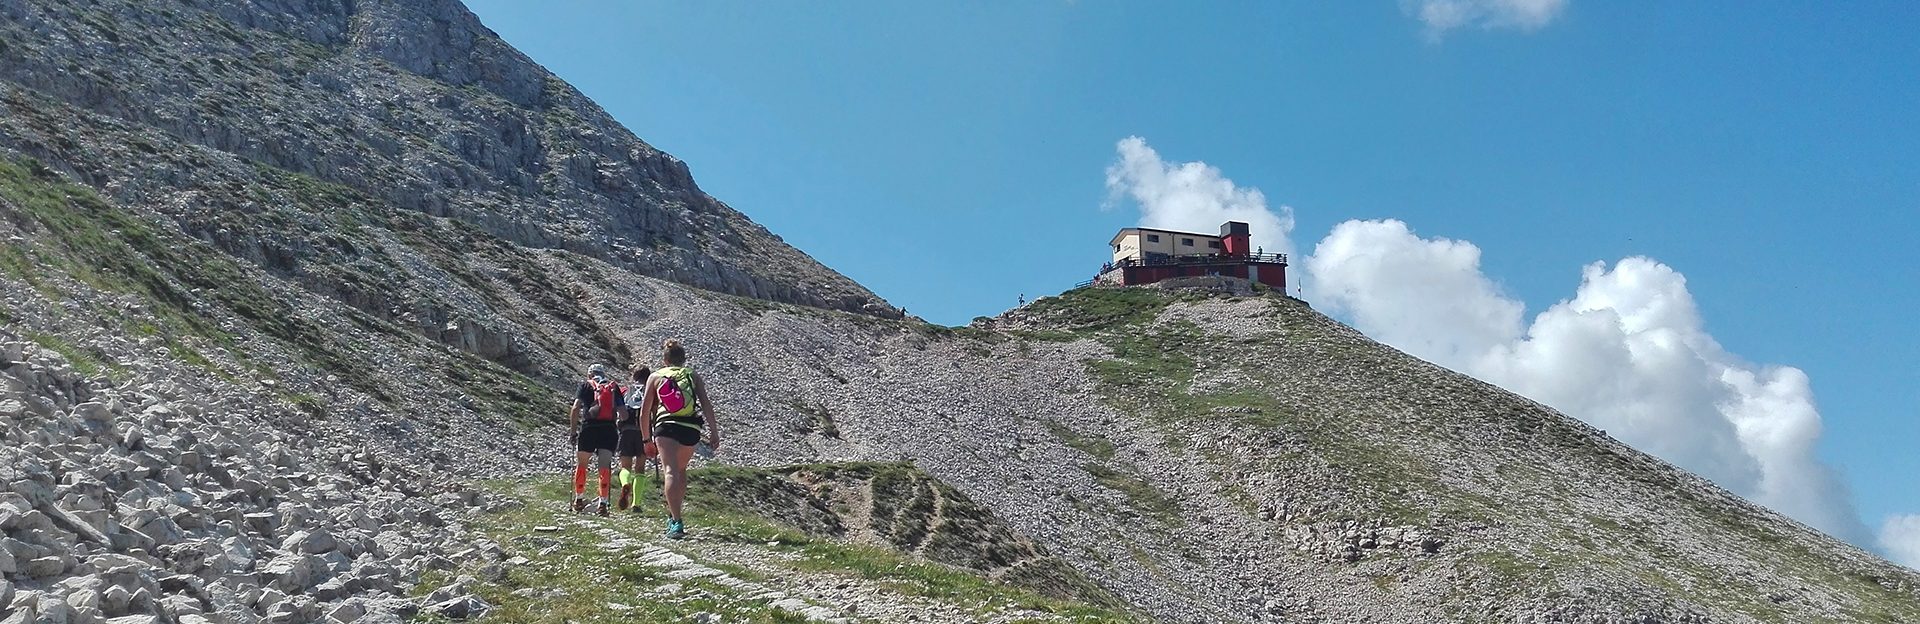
{"x": 461, "y": 608}
{"x": 310, "y": 542}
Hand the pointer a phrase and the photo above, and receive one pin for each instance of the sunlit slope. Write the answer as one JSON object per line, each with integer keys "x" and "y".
{"x": 1391, "y": 469}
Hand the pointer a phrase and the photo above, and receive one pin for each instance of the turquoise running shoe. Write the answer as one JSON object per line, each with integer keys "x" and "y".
{"x": 676, "y": 529}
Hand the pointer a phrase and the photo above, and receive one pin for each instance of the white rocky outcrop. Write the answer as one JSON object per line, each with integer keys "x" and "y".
{"x": 147, "y": 503}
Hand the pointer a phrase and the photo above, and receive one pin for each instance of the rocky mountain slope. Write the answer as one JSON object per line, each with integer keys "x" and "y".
{"x": 415, "y": 104}
{"x": 288, "y": 284}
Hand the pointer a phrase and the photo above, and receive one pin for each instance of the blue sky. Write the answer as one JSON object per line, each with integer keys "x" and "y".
{"x": 953, "y": 157}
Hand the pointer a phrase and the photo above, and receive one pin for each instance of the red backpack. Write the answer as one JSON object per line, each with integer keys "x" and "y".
{"x": 606, "y": 399}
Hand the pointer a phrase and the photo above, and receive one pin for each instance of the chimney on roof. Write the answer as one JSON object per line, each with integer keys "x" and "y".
{"x": 1235, "y": 238}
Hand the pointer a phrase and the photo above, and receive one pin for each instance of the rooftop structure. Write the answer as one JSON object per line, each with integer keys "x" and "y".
{"x": 1148, "y": 255}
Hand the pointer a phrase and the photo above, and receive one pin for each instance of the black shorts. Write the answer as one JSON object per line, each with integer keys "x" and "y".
{"x": 633, "y": 443}
{"x": 686, "y": 436}
{"x": 598, "y": 438}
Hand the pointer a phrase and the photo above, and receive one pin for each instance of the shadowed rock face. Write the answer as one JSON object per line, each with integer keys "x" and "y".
{"x": 412, "y": 104}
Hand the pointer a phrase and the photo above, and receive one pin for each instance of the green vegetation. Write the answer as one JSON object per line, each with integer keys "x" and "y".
{"x": 112, "y": 250}
{"x": 1153, "y": 373}
{"x": 1097, "y": 447}
{"x": 310, "y": 194}
{"x": 1875, "y": 602}
{"x": 589, "y": 577}
{"x": 900, "y": 506}
{"x": 498, "y": 390}
{"x": 1633, "y": 549}
{"x": 308, "y": 403}
{"x": 757, "y": 307}
{"x": 15, "y": 263}
{"x": 1144, "y": 497}
{"x": 1150, "y": 363}
{"x": 592, "y": 576}
{"x": 1093, "y": 309}
{"x": 821, "y": 421}
{"x": 86, "y": 362}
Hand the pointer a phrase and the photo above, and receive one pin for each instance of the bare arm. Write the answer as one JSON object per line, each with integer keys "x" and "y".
{"x": 647, "y": 405}
{"x": 706, "y": 408}
{"x": 573, "y": 418}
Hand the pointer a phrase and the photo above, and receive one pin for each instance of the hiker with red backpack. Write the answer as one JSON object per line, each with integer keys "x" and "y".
{"x": 676, "y": 398}
{"x": 592, "y": 425}
{"x": 635, "y": 444}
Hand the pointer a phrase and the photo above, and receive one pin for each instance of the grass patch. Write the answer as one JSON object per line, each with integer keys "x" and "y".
{"x": 1097, "y": 447}
{"x": 961, "y": 332}
{"x": 498, "y": 390}
{"x": 308, "y": 403}
{"x": 574, "y": 556}
{"x": 1145, "y": 498}
{"x": 590, "y": 577}
{"x": 820, "y": 420}
{"x": 193, "y": 357}
{"x": 1092, "y": 309}
{"x": 1148, "y": 363}
{"x": 906, "y": 510}
{"x": 87, "y": 362}
{"x": 16, "y": 264}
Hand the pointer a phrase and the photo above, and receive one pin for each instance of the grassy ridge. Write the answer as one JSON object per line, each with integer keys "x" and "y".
{"x": 577, "y": 561}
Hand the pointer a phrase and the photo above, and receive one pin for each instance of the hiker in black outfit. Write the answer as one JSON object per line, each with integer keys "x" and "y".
{"x": 591, "y": 425}
{"x": 636, "y": 444}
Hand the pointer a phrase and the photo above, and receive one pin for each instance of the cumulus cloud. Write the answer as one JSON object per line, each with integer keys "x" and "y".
{"x": 1428, "y": 299}
{"x": 1441, "y": 16}
{"x": 1193, "y": 197}
{"x": 1628, "y": 353}
{"x": 1900, "y": 537}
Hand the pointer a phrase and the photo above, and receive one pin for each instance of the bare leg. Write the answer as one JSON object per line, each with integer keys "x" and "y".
{"x": 674, "y": 457}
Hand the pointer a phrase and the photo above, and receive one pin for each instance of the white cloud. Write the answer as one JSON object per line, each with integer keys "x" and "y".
{"x": 1429, "y": 299}
{"x": 1441, "y": 16}
{"x": 1628, "y": 353}
{"x": 1900, "y": 536}
{"x": 1193, "y": 197}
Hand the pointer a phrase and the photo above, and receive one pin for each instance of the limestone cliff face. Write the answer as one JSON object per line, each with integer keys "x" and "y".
{"x": 409, "y": 103}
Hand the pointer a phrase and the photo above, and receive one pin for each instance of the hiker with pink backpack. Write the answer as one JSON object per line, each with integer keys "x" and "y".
{"x": 676, "y": 397}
